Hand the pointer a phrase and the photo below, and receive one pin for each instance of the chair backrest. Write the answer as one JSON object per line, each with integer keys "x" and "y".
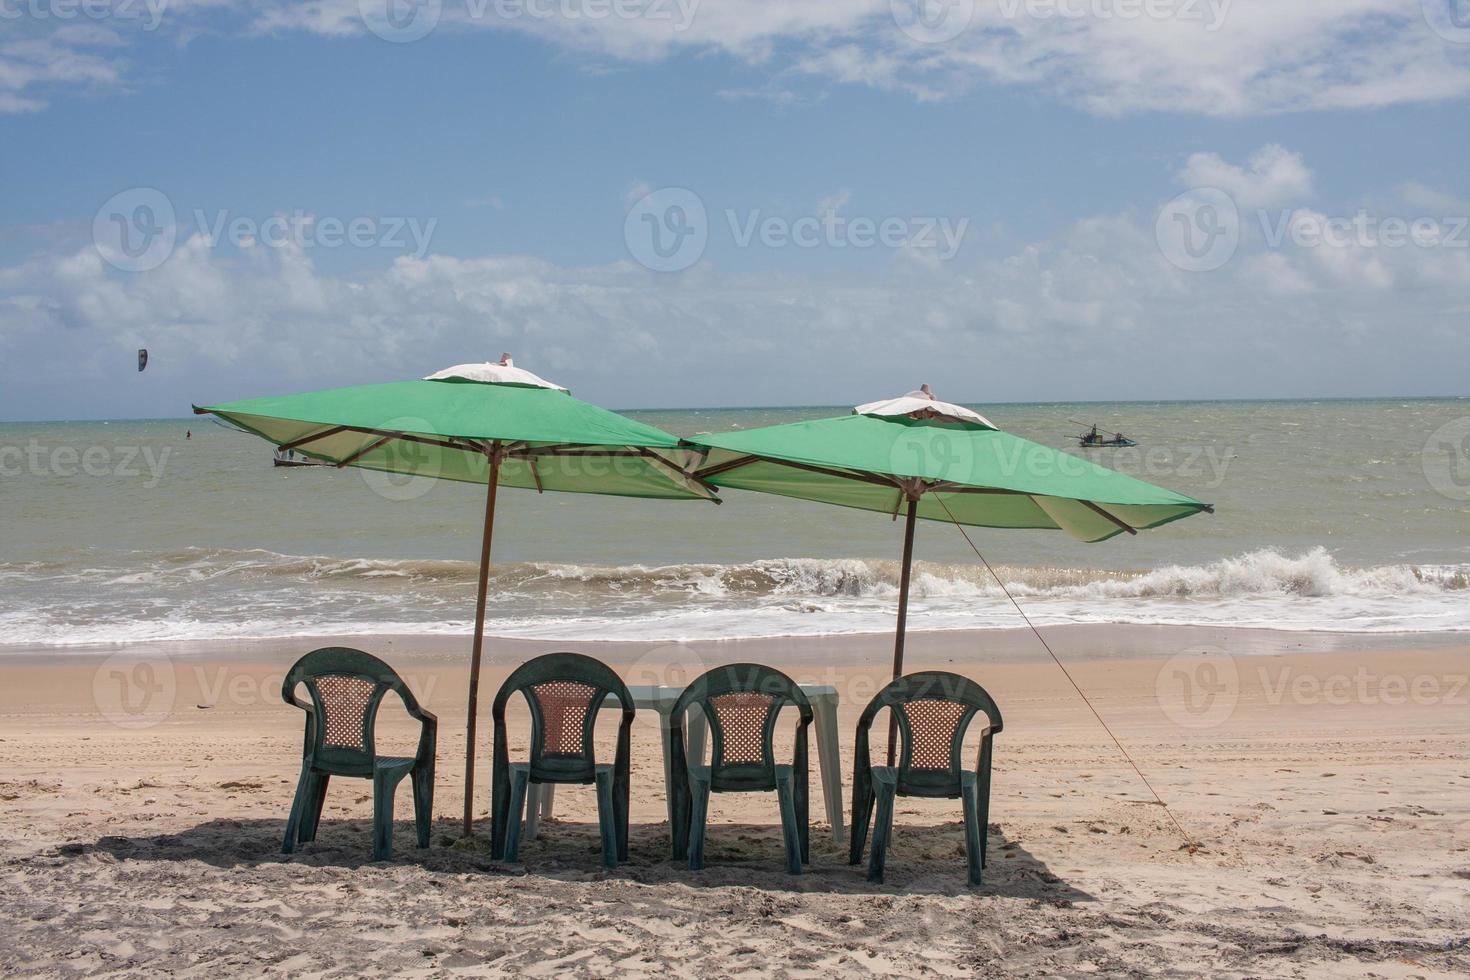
{"x": 565, "y": 691}
{"x": 346, "y": 687}
{"x": 742, "y": 703}
{"x": 934, "y": 710}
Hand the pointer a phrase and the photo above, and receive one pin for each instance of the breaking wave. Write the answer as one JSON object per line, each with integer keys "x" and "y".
{"x": 213, "y": 593}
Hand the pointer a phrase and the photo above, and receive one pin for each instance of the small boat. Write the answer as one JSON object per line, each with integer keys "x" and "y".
{"x": 290, "y": 457}
{"x": 1089, "y": 441}
{"x": 1094, "y": 439}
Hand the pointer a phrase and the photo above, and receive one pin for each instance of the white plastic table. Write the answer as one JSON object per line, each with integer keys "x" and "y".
{"x": 661, "y": 699}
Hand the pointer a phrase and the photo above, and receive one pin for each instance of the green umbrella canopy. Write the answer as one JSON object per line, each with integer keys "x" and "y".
{"x": 957, "y": 464}
{"x": 446, "y": 428}
{"x": 935, "y": 460}
{"x": 494, "y": 424}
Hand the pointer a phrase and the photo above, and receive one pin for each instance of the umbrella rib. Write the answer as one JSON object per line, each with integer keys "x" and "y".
{"x": 995, "y": 490}
{"x": 377, "y": 444}
{"x": 882, "y": 481}
{"x": 840, "y": 474}
{"x": 727, "y": 466}
{"x": 587, "y": 450}
{"x": 449, "y": 442}
{"x": 331, "y": 430}
{"x": 1122, "y": 524}
{"x": 667, "y": 464}
{"x": 576, "y": 449}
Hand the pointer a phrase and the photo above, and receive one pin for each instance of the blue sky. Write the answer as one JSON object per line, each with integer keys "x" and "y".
{"x": 985, "y": 204}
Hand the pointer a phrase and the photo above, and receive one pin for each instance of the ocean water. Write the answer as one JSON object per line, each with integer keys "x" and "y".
{"x": 1331, "y": 515}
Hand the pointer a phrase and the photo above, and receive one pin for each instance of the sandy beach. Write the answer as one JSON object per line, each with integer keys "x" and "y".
{"x": 1324, "y": 777}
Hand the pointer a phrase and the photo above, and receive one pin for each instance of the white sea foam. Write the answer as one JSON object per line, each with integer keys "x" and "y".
{"x": 199, "y": 594}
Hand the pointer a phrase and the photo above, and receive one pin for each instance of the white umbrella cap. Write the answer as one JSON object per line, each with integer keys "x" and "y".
{"x": 495, "y": 374}
{"x": 921, "y": 402}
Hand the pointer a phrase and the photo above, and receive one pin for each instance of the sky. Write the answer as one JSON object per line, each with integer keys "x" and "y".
{"x": 675, "y": 203}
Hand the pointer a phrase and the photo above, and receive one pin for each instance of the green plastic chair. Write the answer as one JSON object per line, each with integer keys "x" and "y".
{"x": 934, "y": 708}
{"x": 565, "y": 692}
{"x": 742, "y": 703}
{"x": 346, "y": 688}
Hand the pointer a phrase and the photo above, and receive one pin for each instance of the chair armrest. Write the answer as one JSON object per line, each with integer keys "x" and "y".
{"x": 412, "y": 706}
{"x": 428, "y": 736}
{"x": 288, "y": 693}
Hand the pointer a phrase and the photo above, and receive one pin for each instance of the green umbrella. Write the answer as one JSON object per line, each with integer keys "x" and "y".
{"x": 494, "y": 424}
{"x": 939, "y": 461}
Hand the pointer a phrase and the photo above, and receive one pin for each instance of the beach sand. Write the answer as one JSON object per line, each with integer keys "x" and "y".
{"x": 1325, "y": 778}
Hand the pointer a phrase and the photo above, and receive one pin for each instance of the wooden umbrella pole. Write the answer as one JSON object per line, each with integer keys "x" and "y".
{"x": 479, "y": 644}
{"x": 903, "y": 615}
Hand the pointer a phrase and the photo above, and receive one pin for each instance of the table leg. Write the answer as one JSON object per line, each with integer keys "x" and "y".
{"x": 697, "y": 726}
{"x": 830, "y": 761}
{"x": 534, "y": 804}
{"x": 665, "y": 728}
{"x": 548, "y": 799}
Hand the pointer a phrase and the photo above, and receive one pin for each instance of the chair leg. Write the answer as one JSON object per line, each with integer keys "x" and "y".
{"x": 882, "y": 830}
{"x": 669, "y": 801}
{"x": 311, "y": 817}
{"x": 789, "y": 831}
{"x": 699, "y": 815}
{"x": 801, "y": 808}
{"x": 620, "y": 809}
{"x": 519, "y": 779}
{"x": 423, "y": 803}
{"x": 681, "y": 809}
{"x": 535, "y": 797}
{"x": 983, "y": 793}
{"x": 298, "y": 807}
{"x": 607, "y": 819}
{"x": 974, "y": 846}
{"x": 862, "y": 818}
{"x": 385, "y": 787}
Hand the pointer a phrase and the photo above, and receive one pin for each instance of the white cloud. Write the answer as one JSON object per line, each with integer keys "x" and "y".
{"x": 1274, "y": 176}
{"x": 833, "y": 203}
{"x": 31, "y": 63}
{"x": 1418, "y": 195}
{"x": 1207, "y": 57}
{"x": 1095, "y": 311}
{"x": 1277, "y": 274}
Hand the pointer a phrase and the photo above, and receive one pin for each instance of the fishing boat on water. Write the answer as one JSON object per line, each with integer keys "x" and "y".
{"x": 290, "y": 457}
{"x": 1094, "y": 438}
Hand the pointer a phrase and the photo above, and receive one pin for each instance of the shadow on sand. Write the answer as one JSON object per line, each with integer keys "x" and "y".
{"x": 922, "y": 859}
